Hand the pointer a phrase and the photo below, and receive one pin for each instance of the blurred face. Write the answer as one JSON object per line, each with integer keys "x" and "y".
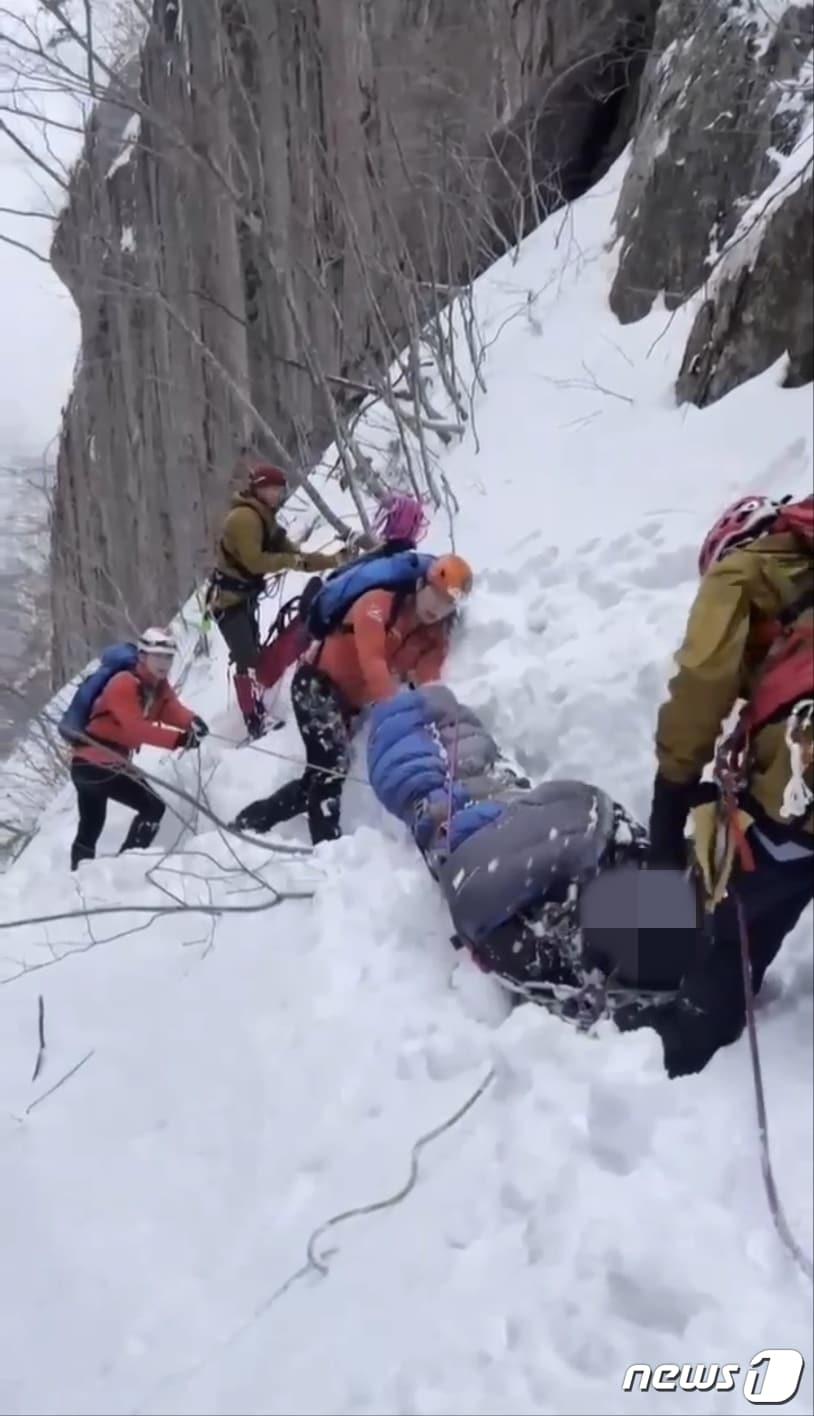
{"x": 433, "y": 605}
{"x": 157, "y": 665}
{"x": 271, "y": 496}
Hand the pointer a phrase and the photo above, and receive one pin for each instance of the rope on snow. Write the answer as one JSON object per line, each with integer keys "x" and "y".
{"x": 317, "y": 1263}
{"x": 778, "y": 1214}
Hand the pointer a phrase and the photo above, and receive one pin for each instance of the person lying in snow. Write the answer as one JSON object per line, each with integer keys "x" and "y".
{"x": 518, "y": 864}
{"x": 382, "y": 638}
{"x": 749, "y": 635}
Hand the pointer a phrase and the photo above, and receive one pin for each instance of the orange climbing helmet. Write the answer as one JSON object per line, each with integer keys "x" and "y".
{"x": 451, "y": 575}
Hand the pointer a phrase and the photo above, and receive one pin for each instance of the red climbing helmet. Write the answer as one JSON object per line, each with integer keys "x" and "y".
{"x": 264, "y": 475}
{"x": 741, "y": 522}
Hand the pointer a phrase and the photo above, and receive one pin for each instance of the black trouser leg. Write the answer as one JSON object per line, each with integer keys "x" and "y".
{"x": 710, "y": 1011}
{"x": 323, "y": 726}
{"x": 240, "y": 630}
{"x": 92, "y": 803}
{"x": 95, "y": 787}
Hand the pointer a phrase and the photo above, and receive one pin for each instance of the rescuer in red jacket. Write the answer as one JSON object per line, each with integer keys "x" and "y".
{"x": 136, "y": 708}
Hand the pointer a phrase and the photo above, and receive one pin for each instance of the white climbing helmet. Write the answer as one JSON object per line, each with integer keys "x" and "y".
{"x": 157, "y": 641}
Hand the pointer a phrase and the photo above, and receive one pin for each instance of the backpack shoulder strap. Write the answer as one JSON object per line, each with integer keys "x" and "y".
{"x": 96, "y": 711}
{"x": 400, "y": 598}
{"x": 396, "y": 606}
{"x": 797, "y": 607}
{"x": 796, "y": 518}
{"x": 232, "y": 560}
{"x": 269, "y": 537}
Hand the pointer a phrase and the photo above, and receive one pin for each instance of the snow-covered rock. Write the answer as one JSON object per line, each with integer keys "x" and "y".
{"x": 718, "y": 193}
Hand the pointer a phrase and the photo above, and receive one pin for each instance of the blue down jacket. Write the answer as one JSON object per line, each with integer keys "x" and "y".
{"x": 496, "y": 848}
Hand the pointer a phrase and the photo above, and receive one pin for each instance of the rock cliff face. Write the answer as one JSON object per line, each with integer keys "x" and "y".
{"x": 269, "y": 189}
{"x": 718, "y": 193}
{"x": 264, "y": 195}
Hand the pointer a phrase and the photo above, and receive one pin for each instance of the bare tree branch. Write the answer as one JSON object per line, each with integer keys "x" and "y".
{"x": 32, "y": 156}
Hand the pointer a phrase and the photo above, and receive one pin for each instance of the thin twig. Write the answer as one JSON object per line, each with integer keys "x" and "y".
{"x": 41, "y": 1033}
{"x": 58, "y": 1084}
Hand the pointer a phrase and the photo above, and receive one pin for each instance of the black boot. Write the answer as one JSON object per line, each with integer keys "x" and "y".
{"x": 283, "y": 805}
{"x": 690, "y": 1037}
{"x": 323, "y": 817}
{"x": 80, "y": 853}
{"x": 255, "y": 725}
{"x": 142, "y": 833}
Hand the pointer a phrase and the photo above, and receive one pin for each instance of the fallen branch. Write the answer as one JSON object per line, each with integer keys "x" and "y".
{"x": 155, "y": 910}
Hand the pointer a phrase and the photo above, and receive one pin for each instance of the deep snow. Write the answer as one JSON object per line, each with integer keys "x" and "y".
{"x": 250, "y": 1077}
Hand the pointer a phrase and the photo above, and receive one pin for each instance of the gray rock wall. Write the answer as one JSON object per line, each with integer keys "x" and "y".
{"x": 298, "y": 170}
{"x": 292, "y": 156}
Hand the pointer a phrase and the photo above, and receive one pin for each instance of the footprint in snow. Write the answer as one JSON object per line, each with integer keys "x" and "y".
{"x": 619, "y": 546}
{"x": 500, "y": 580}
{"x": 516, "y": 1200}
{"x": 544, "y": 568}
{"x": 525, "y": 541}
{"x": 485, "y": 634}
{"x": 668, "y": 569}
{"x": 653, "y": 1305}
{"x": 621, "y": 1119}
{"x": 604, "y": 593}
{"x": 537, "y": 619}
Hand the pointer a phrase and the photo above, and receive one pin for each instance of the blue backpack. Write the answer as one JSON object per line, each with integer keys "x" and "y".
{"x": 379, "y": 571}
{"x": 74, "y": 721}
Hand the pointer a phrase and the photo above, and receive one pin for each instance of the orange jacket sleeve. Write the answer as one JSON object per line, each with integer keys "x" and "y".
{"x": 369, "y": 619}
{"x": 428, "y": 667}
{"x": 121, "y": 702}
{"x": 174, "y": 712}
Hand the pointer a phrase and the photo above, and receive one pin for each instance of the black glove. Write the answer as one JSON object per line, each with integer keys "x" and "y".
{"x": 194, "y": 735}
{"x": 668, "y": 817}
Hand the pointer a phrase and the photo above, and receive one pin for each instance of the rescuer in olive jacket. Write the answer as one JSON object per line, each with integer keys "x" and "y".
{"x": 251, "y": 547}
{"x": 723, "y": 649}
{"x": 749, "y": 636}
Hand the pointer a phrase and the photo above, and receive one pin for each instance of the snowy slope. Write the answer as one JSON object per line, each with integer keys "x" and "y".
{"x": 249, "y": 1077}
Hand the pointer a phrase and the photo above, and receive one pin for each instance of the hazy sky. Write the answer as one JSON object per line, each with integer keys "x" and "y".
{"x": 39, "y": 332}
{"x": 39, "y": 326}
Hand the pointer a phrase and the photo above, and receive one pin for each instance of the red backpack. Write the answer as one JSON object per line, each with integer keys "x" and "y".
{"x": 787, "y": 672}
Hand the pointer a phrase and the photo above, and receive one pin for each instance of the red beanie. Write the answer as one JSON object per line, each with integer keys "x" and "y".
{"x": 267, "y": 476}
